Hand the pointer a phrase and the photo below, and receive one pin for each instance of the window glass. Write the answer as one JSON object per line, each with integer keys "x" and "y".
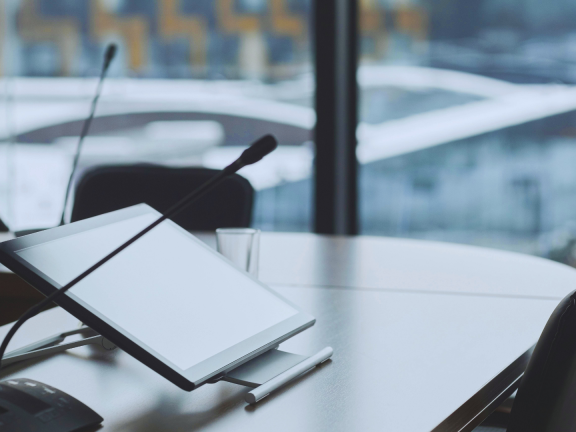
{"x": 193, "y": 83}
{"x": 467, "y": 127}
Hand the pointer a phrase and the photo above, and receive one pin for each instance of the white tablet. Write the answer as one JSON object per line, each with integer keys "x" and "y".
{"x": 168, "y": 299}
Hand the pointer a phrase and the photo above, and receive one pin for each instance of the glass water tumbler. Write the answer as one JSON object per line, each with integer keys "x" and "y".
{"x": 241, "y": 246}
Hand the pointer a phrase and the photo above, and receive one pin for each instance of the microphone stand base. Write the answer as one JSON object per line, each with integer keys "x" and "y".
{"x": 54, "y": 344}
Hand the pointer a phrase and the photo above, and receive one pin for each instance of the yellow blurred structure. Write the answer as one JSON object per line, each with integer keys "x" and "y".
{"x": 270, "y": 40}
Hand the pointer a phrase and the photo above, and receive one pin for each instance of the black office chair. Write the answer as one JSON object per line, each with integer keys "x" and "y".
{"x": 3, "y": 227}
{"x": 108, "y": 188}
{"x": 546, "y": 399}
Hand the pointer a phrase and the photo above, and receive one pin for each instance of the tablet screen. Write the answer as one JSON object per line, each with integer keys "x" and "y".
{"x": 167, "y": 289}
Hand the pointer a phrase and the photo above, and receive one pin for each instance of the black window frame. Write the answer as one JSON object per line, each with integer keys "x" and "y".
{"x": 336, "y": 42}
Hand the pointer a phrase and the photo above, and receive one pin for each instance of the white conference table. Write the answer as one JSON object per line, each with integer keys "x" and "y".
{"x": 426, "y": 336}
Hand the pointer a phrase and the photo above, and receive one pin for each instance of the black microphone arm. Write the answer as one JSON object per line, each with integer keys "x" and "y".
{"x": 253, "y": 154}
{"x": 108, "y": 57}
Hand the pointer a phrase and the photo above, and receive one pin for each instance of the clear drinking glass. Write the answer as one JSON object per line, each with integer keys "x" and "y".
{"x": 241, "y": 246}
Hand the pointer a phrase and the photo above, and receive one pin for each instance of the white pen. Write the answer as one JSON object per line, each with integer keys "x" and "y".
{"x": 268, "y": 387}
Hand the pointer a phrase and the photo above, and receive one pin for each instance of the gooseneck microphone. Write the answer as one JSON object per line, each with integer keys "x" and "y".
{"x": 253, "y": 154}
{"x": 108, "y": 57}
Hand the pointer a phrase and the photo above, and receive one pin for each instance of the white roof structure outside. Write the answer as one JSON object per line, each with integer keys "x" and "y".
{"x": 35, "y": 103}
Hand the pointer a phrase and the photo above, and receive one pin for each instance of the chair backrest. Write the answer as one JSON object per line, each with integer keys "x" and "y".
{"x": 108, "y": 188}
{"x": 546, "y": 399}
{"x": 3, "y": 228}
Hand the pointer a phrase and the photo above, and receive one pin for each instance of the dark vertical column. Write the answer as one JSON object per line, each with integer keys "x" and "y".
{"x": 336, "y": 58}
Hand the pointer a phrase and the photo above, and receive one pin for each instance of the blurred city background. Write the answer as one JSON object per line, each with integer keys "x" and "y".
{"x": 467, "y": 127}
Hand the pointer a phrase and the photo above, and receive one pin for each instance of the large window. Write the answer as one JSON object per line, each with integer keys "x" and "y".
{"x": 194, "y": 82}
{"x": 466, "y": 110}
{"x": 467, "y": 122}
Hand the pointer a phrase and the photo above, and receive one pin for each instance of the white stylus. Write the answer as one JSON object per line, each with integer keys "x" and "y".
{"x": 268, "y": 387}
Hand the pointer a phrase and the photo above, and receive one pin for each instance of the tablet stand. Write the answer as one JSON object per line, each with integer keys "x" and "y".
{"x": 265, "y": 373}
{"x": 53, "y": 345}
{"x": 273, "y": 369}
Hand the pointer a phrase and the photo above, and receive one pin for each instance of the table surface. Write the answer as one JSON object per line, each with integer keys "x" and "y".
{"x": 426, "y": 336}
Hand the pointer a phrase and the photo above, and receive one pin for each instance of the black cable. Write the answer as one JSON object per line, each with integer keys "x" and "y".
{"x": 253, "y": 154}
{"x": 108, "y": 57}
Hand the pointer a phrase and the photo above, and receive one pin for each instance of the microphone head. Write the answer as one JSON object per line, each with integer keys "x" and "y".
{"x": 110, "y": 54}
{"x": 264, "y": 146}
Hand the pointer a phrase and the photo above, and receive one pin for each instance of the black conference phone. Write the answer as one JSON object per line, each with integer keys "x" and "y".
{"x": 30, "y": 406}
